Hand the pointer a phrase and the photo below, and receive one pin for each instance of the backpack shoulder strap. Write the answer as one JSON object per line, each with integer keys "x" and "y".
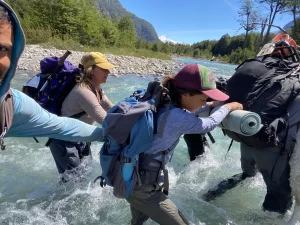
{"x": 122, "y": 117}
{"x": 101, "y": 93}
{"x": 6, "y": 116}
{"x": 164, "y": 110}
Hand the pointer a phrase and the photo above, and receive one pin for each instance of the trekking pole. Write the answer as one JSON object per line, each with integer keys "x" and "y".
{"x": 57, "y": 68}
{"x": 61, "y": 62}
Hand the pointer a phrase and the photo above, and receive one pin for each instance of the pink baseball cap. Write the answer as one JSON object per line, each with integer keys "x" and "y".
{"x": 200, "y": 78}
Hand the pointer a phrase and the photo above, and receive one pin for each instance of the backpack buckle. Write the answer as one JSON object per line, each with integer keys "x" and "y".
{"x": 127, "y": 160}
{"x": 102, "y": 182}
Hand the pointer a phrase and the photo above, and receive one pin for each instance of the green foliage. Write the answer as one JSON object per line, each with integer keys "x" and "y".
{"x": 126, "y": 23}
{"x": 36, "y": 36}
{"x": 238, "y": 56}
{"x": 127, "y": 35}
{"x": 165, "y": 48}
{"x": 296, "y": 31}
{"x": 69, "y": 44}
{"x": 110, "y": 32}
{"x": 155, "y": 47}
{"x": 196, "y": 53}
{"x": 113, "y": 8}
{"x": 90, "y": 24}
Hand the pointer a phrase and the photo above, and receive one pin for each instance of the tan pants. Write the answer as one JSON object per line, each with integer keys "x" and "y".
{"x": 146, "y": 202}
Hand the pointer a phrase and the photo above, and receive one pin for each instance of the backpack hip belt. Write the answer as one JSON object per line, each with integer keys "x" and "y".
{"x": 147, "y": 162}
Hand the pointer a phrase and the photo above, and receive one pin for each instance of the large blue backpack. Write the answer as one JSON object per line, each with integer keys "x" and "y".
{"x": 129, "y": 128}
{"x": 50, "y": 87}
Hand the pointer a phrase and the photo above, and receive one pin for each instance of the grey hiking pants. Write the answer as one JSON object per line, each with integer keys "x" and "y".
{"x": 149, "y": 202}
{"x": 275, "y": 169}
{"x": 69, "y": 155}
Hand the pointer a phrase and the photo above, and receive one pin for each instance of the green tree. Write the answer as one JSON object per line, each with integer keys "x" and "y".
{"x": 165, "y": 47}
{"x": 155, "y": 47}
{"x": 110, "y": 31}
{"x": 294, "y": 9}
{"x": 296, "y": 30}
{"x": 196, "y": 53}
{"x": 222, "y": 46}
{"x": 235, "y": 43}
{"x": 127, "y": 35}
{"x": 89, "y": 29}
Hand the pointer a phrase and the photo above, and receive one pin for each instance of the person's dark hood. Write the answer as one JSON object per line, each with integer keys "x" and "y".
{"x": 18, "y": 47}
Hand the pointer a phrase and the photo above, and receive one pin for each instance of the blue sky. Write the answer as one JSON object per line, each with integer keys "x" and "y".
{"x": 192, "y": 21}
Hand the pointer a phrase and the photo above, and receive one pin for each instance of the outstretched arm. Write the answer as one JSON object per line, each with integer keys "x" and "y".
{"x": 31, "y": 120}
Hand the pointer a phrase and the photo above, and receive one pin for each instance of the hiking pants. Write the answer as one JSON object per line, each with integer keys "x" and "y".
{"x": 275, "y": 169}
{"x": 146, "y": 202}
{"x": 69, "y": 155}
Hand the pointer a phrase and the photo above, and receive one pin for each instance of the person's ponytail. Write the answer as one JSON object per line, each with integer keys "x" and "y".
{"x": 169, "y": 83}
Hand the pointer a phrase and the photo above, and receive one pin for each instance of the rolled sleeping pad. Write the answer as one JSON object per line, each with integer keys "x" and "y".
{"x": 239, "y": 121}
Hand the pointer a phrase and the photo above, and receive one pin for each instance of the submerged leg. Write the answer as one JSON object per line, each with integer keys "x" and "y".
{"x": 224, "y": 186}
{"x": 195, "y": 144}
{"x": 249, "y": 170}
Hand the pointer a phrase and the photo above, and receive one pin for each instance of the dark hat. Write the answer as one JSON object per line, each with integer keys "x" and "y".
{"x": 200, "y": 78}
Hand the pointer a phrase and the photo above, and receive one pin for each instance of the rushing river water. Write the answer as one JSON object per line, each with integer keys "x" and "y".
{"x": 30, "y": 192}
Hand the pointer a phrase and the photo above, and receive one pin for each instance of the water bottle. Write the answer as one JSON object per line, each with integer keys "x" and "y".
{"x": 127, "y": 169}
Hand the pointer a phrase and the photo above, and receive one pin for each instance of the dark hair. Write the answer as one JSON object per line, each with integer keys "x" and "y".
{"x": 4, "y": 15}
{"x": 174, "y": 92}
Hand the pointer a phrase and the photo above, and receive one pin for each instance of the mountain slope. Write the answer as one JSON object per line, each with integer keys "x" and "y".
{"x": 114, "y": 9}
{"x": 288, "y": 25}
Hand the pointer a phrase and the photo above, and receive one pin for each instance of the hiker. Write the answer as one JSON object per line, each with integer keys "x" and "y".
{"x": 89, "y": 100}
{"x": 270, "y": 150}
{"x": 196, "y": 143}
{"x": 20, "y": 115}
{"x": 188, "y": 90}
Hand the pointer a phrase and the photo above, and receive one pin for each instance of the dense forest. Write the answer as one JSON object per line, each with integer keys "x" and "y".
{"x": 82, "y": 22}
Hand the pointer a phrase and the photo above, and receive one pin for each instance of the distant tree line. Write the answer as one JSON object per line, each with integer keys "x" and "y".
{"x": 82, "y": 22}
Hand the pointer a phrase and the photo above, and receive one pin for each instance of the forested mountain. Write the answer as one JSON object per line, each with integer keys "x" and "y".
{"x": 115, "y": 10}
{"x": 289, "y": 25}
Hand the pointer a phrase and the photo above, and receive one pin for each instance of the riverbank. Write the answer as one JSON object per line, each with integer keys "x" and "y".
{"x": 143, "y": 66}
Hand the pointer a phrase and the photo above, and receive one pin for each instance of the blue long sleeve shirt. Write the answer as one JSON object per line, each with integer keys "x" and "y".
{"x": 31, "y": 120}
{"x": 181, "y": 122}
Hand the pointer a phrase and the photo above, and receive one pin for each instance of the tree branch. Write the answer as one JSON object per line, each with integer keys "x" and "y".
{"x": 284, "y": 31}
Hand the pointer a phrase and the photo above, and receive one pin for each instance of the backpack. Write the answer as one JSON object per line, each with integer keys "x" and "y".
{"x": 266, "y": 88}
{"x": 129, "y": 128}
{"x": 50, "y": 87}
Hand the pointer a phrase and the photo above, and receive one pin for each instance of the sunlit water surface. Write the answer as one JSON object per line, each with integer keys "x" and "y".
{"x": 30, "y": 192}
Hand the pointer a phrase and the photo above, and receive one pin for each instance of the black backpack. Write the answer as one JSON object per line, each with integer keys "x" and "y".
{"x": 266, "y": 88}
